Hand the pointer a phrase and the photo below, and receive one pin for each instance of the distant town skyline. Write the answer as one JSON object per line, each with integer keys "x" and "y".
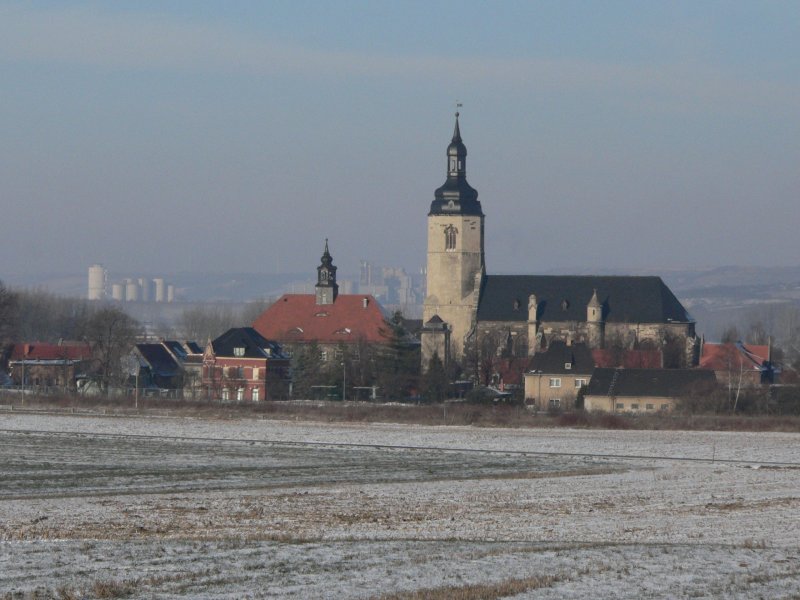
{"x": 236, "y": 137}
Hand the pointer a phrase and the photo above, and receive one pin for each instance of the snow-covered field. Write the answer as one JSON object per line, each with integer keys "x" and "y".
{"x": 191, "y": 508}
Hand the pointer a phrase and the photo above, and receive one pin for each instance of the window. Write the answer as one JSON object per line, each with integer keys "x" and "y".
{"x": 338, "y": 354}
{"x": 240, "y": 394}
{"x": 238, "y": 351}
{"x": 649, "y": 406}
{"x": 664, "y": 406}
{"x": 634, "y": 407}
{"x": 555, "y": 402}
{"x": 620, "y": 406}
{"x": 254, "y": 395}
{"x": 450, "y": 234}
{"x": 255, "y": 372}
{"x": 555, "y": 382}
{"x": 323, "y": 355}
{"x": 225, "y": 395}
{"x": 579, "y": 383}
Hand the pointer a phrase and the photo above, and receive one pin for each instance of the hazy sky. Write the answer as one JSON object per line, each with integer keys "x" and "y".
{"x": 212, "y": 136}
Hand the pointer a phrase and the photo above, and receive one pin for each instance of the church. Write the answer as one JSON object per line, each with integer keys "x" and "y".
{"x": 467, "y": 310}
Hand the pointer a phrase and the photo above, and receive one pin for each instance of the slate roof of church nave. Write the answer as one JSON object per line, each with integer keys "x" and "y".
{"x": 625, "y": 299}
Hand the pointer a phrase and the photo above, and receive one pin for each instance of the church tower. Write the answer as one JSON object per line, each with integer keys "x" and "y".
{"x": 455, "y": 254}
{"x": 326, "y": 289}
{"x": 595, "y": 326}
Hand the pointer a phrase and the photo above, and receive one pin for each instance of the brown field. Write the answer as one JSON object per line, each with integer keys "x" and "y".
{"x": 413, "y": 414}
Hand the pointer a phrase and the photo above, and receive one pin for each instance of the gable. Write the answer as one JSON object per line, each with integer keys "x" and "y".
{"x": 625, "y": 299}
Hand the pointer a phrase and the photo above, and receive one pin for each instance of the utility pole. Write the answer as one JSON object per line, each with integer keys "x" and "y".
{"x": 344, "y": 381}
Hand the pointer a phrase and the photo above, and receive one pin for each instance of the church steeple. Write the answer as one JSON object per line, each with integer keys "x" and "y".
{"x": 326, "y": 289}
{"x": 456, "y": 196}
{"x": 455, "y": 265}
{"x": 456, "y": 154}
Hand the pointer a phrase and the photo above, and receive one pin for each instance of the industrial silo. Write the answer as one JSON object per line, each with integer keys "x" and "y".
{"x": 97, "y": 282}
{"x": 131, "y": 290}
{"x": 118, "y": 291}
{"x": 145, "y": 290}
{"x": 161, "y": 289}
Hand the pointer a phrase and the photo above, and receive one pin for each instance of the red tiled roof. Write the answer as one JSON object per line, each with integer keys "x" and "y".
{"x": 45, "y": 351}
{"x": 629, "y": 359}
{"x": 298, "y": 318}
{"x": 720, "y": 357}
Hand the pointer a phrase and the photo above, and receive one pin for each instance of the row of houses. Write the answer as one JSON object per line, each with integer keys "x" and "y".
{"x": 634, "y": 380}
{"x": 239, "y": 365}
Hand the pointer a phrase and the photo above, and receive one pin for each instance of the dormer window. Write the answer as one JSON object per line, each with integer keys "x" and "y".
{"x": 568, "y": 366}
{"x": 238, "y": 351}
{"x": 564, "y": 305}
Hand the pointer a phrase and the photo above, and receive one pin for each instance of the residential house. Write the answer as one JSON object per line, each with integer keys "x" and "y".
{"x": 159, "y": 369}
{"x": 243, "y": 365}
{"x": 555, "y": 376}
{"x": 644, "y": 390}
{"x": 739, "y": 365}
{"x": 49, "y": 366}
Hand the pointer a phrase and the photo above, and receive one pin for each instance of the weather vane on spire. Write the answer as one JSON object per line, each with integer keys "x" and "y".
{"x": 458, "y": 105}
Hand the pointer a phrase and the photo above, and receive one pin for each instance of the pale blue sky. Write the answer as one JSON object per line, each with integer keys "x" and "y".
{"x": 175, "y": 136}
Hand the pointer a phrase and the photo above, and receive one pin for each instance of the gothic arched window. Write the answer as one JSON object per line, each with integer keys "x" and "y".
{"x": 450, "y": 234}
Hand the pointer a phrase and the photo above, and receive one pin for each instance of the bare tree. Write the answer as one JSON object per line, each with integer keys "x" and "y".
{"x": 252, "y": 310}
{"x": 730, "y": 335}
{"x": 203, "y": 323}
{"x": 8, "y": 318}
{"x": 757, "y": 334}
{"x": 111, "y": 334}
{"x": 46, "y": 317}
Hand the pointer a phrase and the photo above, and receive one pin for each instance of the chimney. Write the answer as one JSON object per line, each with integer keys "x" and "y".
{"x": 365, "y": 302}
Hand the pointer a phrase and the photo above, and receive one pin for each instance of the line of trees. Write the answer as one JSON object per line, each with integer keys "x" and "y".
{"x": 27, "y": 316}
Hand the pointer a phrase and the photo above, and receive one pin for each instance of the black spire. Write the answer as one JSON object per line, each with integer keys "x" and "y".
{"x": 456, "y": 196}
{"x": 327, "y": 259}
{"x": 326, "y": 289}
{"x": 457, "y": 132}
